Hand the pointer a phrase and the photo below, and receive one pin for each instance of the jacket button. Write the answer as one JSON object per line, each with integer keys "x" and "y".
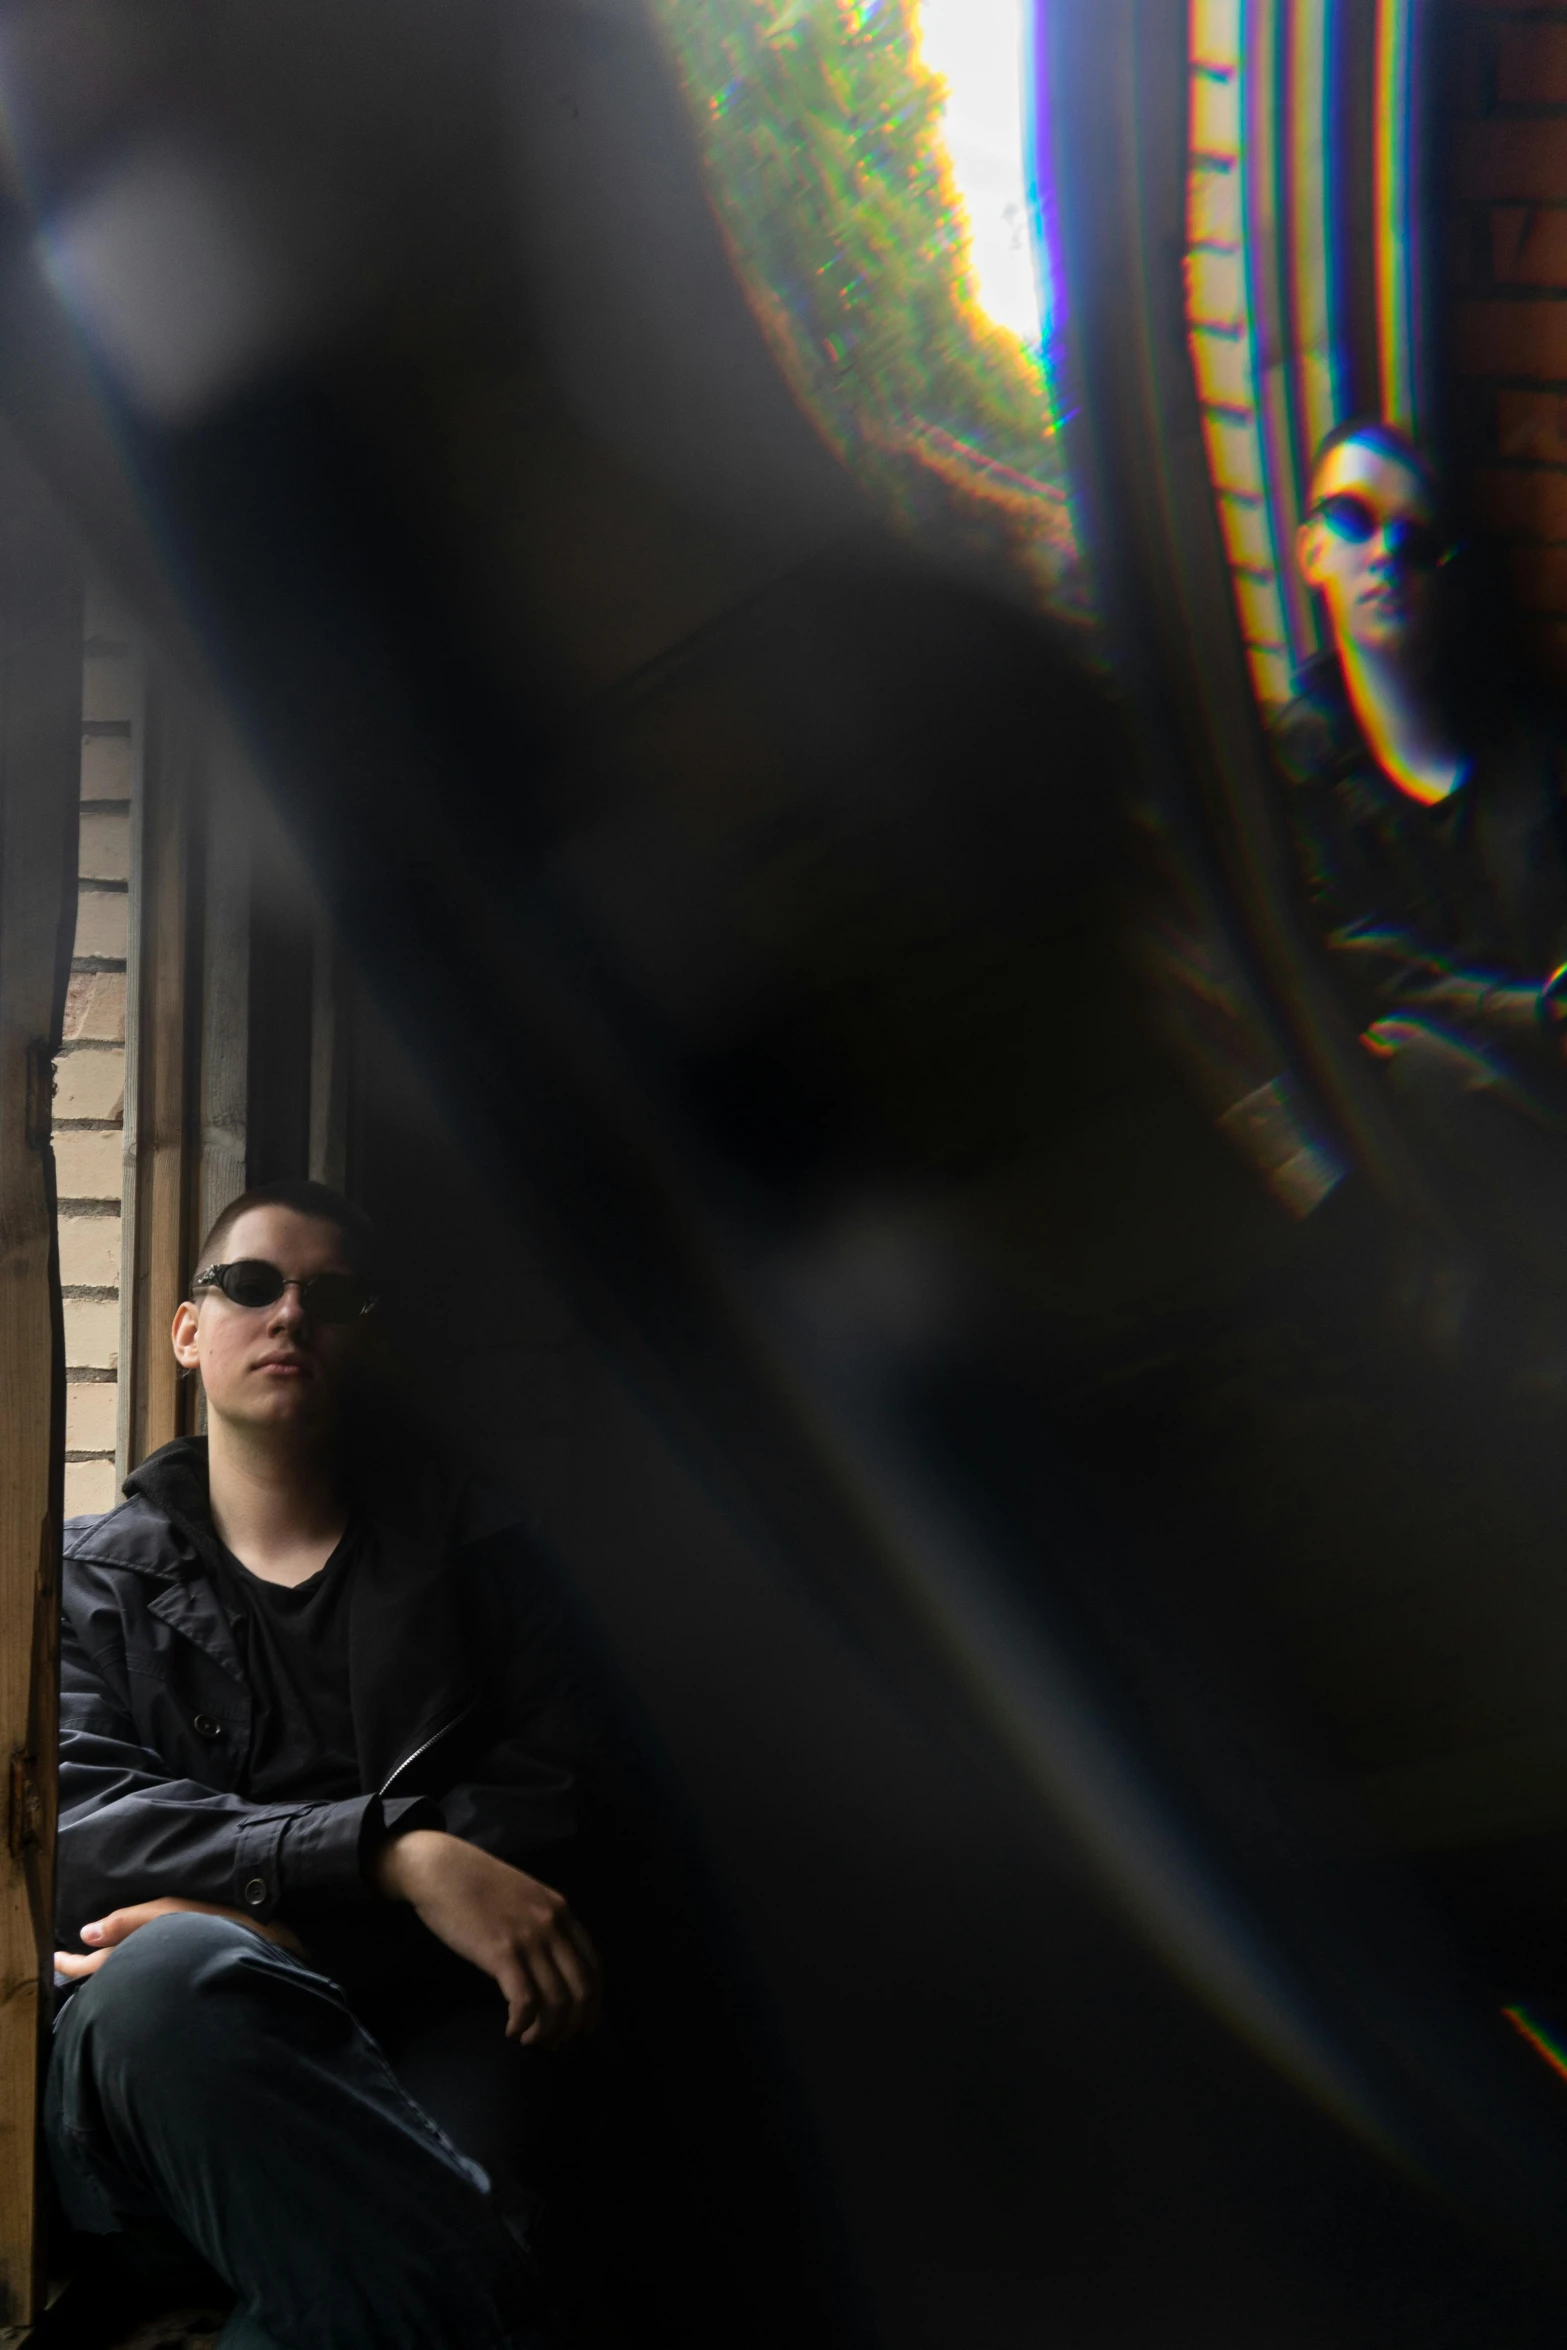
{"x": 205, "y": 1727}
{"x": 256, "y": 1891}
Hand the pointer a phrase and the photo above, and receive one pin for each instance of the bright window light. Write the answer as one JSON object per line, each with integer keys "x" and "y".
{"x": 978, "y": 47}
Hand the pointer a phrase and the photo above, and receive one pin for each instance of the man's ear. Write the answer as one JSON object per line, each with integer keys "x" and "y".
{"x": 183, "y": 1336}
{"x": 1308, "y": 549}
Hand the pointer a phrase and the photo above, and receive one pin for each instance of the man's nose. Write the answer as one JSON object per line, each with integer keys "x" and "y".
{"x": 289, "y": 1308}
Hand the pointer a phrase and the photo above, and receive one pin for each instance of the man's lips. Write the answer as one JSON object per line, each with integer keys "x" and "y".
{"x": 283, "y": 1366}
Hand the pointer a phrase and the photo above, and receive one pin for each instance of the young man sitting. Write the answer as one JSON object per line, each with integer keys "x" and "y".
{"x": 318, "y": 1795}
{"x": 1430, "y": 819}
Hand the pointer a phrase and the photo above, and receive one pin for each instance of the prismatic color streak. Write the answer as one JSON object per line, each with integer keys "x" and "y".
{"x": 1544, "y": 2043}
{"x": 1319, "y": 392}
{"x": 1267, "y": 55}
{"x": 1395, "y": 137}
{"x": 1223, "y": 336}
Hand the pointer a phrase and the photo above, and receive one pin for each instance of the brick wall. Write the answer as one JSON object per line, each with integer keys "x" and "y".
{"x": 89, "y": 1096}
{"x": 1502, "y": 167}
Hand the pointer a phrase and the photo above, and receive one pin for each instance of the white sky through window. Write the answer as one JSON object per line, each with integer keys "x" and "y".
{"x": 978, "y": 48}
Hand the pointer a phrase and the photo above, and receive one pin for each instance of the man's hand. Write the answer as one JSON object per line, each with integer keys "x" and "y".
{"x": 520, "y": 1932}
{"x": 106, "y": 1934}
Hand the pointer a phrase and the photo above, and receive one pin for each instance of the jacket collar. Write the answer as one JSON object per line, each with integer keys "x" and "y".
{"x": 412, "y": 1674}
{"x": 1321, "y": 688}
{"x": 173, "y": 1482}
{"x": 1483, "y": 722}
{"x": 172, "y": 1485}
{"x": 161, "y": 1531}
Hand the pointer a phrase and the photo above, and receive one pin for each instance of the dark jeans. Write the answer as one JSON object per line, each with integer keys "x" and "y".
{"x": 205, "y": 2078}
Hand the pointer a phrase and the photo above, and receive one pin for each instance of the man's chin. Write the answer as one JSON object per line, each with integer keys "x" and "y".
{"x": 1387, "y": 632}
{"x": 293, "y": 1403}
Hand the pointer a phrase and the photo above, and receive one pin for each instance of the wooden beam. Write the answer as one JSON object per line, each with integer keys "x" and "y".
{"x": 331, "y": 1058}
{"x": 160, "y": 1093}
{"x": 283, "y": 993}
{"x": 40, "y": 757}
{"x": 126, "y": 1432}
{"x": 225, "y": 979}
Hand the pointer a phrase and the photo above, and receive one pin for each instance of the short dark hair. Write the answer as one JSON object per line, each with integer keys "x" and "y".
{"x": 1389, "y": 440}
{"x": 306, "y": 1199}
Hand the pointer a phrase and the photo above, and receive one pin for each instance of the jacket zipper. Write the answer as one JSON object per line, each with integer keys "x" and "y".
{"x": 423, "y": 1749}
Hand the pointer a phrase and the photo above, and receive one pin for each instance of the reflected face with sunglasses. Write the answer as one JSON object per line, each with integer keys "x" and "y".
{"x": 273, "y": 1328}
{"x": 1371, "y": 548}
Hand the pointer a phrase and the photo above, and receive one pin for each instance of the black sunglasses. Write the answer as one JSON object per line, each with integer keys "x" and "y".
{"x": 1419, "y": 544}
{"x": 325, "y": 1297}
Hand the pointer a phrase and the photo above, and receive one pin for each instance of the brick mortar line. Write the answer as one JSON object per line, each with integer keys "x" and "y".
{"x": 88, "y": 1375}
{"x": 107, "y": 889}
{"x": 82, "y": 1209}
{"x": 89, "y": 1044}
{"x": 88, "y": 1125}
{"x": 106, "y": 730}
{"x": 115, "y": 807}
{"x": 89, "y": 1456}
{"x": 88, "y": 1293}
{"x": 97, "y": 963}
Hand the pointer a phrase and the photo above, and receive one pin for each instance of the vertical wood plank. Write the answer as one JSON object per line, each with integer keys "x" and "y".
{"x": 40, "y": 751}
{"x": 331, "y": 1045}
{"x": 159, "y": 1164}
{"x": 225, "y": 982}
{"x": 282, "y": 990}
{"x": 126, "y": 1440}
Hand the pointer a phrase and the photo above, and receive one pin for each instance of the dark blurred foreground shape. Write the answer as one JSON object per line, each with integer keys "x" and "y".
{"x": 1046, "y": 1607}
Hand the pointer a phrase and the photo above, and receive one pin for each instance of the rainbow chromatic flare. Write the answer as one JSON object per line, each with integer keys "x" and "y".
{"x": 1544, "y": 2043}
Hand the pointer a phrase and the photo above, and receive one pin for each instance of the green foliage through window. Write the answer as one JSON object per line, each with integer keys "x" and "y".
{"x": 821, "y": 132}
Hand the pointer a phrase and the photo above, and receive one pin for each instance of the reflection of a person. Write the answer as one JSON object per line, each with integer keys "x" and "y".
{"x": 1428, "y": 812}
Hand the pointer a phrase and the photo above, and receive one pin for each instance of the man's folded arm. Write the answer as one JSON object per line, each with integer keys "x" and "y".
{"x": 130, "y": 1831}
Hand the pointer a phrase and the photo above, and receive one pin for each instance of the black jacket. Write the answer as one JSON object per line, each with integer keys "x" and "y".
{"x": 457, "y": 1690}
{"x": 1455, "y": 915}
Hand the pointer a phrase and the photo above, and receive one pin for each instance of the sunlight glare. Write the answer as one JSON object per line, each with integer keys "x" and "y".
{"x": 978, "y": 48}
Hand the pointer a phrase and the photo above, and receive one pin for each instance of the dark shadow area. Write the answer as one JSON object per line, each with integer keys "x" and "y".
{"x": 1041, "y": 1598}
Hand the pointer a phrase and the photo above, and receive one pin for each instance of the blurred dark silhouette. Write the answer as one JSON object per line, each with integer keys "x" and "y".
{"x": 1043, "y": 1602}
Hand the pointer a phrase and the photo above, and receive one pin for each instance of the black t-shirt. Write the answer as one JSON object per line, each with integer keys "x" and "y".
{"x": 294, "y": 1641}
{"x": 1455, "y": 914}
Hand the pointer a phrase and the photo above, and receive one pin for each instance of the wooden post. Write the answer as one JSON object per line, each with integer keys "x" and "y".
{"x": 40, "y": 758}
{"x": 283, "y": 1069}
{"x": 156, "y": 1405}
{"x": 225, "y": 980}
{"x": 126, "y": 1412}
{"x": 331, "y": 1049}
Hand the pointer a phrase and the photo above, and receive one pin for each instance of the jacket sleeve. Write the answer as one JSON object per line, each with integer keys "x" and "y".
{"x": 1389, "y": 974}
{"x": 1385, "y": 970}
{"x": 129, "y": 1831}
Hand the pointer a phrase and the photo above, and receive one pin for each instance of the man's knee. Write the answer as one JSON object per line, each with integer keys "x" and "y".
{"x": 174, "y": 1979}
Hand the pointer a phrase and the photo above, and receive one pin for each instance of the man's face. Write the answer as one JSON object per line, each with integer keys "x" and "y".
{"x": 1377, "y": 597}
{"x": 270, "y": 1366}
